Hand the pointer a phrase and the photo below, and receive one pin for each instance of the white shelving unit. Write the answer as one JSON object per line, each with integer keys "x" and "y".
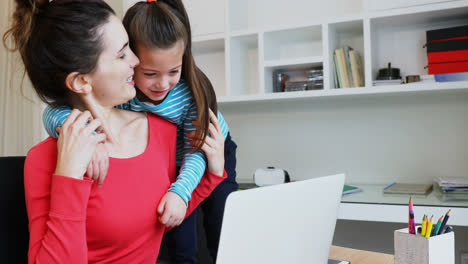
{"x": 262, "y": 36}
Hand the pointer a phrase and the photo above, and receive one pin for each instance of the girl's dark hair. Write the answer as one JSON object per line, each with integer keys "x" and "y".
{"x": 56, "y": 39}
{"x": 160, "y": 25}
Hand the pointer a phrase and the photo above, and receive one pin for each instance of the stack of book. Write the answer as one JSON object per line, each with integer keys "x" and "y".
{"x": 447, "y": 53}
{"x": 452, "y": 188}
{"x": 349, "y": 71}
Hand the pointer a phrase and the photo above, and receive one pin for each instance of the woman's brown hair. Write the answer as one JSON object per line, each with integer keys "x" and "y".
{"x": 161, "y": 24}
{"x": 56, "y": 39}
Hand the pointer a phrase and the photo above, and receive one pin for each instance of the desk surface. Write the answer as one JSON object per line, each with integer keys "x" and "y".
{"x": 360, "y": 256}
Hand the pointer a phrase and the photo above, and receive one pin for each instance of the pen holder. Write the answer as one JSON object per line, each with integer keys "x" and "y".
{"x": 415, "y": 249}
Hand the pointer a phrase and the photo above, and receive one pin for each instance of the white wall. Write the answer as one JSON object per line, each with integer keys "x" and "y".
{"x": 373, "y": 139}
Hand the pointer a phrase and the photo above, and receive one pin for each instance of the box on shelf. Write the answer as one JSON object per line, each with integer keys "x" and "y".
{"x": 297, "y": 80}
{"x": 415, "y": 249}
{"x": 447, "y": 50}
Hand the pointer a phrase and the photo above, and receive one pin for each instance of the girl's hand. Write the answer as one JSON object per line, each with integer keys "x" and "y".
{"x": 97, "y": 168}
{"x": 171, "y": 210}
{"x": 76, "y": 144}
{"x": 214, "y": 146}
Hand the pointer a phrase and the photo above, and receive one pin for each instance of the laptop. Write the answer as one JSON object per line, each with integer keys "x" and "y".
{"x": 287, "y": 223}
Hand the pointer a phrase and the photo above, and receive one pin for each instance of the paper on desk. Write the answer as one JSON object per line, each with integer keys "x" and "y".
{"x": 448, "y": 181}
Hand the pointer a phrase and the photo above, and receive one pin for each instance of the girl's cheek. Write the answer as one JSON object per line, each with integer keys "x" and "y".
{"x": 142, "y": 83}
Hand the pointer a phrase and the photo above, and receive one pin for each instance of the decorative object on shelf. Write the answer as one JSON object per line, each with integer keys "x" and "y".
{"x": 315, "y": 79}
{"x": 279, "y": 81}
{"x": 298, "y": 80}
{"x": 412, "y": 78}
{"x": 348, "y": 68}
{"x": 447, "y": 50}
{"x": 270, "y": 176}
{"x": 389, "y": 73}
{"x": 295, "y": 86}
{"x": 388, "y": 76}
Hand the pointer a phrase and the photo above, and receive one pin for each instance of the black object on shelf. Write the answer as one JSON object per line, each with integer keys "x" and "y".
{"x": 389, "y": 73}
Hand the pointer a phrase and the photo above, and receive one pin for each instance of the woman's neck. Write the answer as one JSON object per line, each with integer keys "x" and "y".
{"x": 108, "y": 115}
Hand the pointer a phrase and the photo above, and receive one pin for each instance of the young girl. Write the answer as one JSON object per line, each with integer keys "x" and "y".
{"x": 159, "y": 33}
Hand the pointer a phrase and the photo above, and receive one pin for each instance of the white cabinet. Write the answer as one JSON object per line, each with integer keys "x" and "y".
{"x": 258, "y": 37}
{"x": 421, "y": 131}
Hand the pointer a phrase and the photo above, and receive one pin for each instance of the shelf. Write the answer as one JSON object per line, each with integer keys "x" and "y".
{"x": 200, "y": 23}
{"x": 243, "y": 15}
{"x": 295, "y": 69}
{"x": 293, "y": 43}
{"x": 294, "y": 62}
{"x": 210, "y": 57}
{"x": 400, "y": 39}
{"x": 416, "y": 9}
{"x": 380, "y": 90}
{"x": 208, "y": 37}
{"x": 350, "y": 33}
{"x": 241, "y": 33}
{"x": 373, "y": 205}
{"x": 244, "y": 65}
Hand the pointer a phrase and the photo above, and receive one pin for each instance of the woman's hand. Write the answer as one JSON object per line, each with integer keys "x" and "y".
{"x": 76, "y": 144}
{"x": 97, "y": 168}
{"x": 214, "y": 146}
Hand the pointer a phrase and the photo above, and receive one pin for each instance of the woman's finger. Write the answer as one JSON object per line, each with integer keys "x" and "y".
{"x": 71, "y": 118}
{"x": 92, "y": 126}
{"x": 95, "y": 170}
{"x": 82, "y": 119}
{"x": 100, "y": 137}
{"x": 89, "y": 170}
{"x": 102, "y": 173}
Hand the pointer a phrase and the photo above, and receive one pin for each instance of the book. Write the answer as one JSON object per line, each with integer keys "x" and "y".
{"x": 347, "y": 50}
{"x": 447, "y": 33}
{"x": 456, "y": 195}
{"x": 448, "y": 67}
{"x": 408, "y": 188}
{"x": 342, "y": 69}
{"x": 356, "y": 68}
{"x": 348, "y": 189}
{"x": 454, "y": 182}
{"x": 337, "y": 79}
{"x": 451, "y": 77}
{"x": 447, "y": 56}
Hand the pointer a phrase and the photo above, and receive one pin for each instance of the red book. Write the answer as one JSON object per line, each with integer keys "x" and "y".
{"x": 448, "y": 67}
{"x": 447, "y": 56}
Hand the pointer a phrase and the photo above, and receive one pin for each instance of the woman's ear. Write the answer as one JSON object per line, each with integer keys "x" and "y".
{"x": 78, "y": 83}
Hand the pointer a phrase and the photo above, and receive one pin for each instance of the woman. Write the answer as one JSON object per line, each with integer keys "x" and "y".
{"x": 76, "y": 53}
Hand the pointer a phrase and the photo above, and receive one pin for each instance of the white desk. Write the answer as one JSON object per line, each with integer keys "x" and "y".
{"x": 373, "y": 205}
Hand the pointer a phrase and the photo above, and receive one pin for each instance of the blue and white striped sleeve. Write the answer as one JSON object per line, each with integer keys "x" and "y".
{"x": 193, "y": 164}
{"x": 53, "y": 117}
